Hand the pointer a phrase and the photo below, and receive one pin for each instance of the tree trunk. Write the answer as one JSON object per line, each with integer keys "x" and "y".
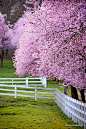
{"x": 65, "y": 90}
{"x": 74, "y": 93}
{"x": 2, "y": 55}
{"x": 56, "y": 79}
{"x": 6, "y": 51}
{"x": 82, "y": 95}
{"x": 10, "y": 1}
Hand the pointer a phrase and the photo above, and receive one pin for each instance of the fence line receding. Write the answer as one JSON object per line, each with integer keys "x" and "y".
{"x": 71, "y": 107}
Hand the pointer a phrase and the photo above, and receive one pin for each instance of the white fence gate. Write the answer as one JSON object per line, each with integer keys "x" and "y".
{"x": 40, "y": 81}
{"x": 71, "y": 107}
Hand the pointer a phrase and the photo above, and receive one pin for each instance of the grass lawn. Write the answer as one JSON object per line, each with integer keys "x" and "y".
{"x": 8, "y": 70}
{"x": 25, "y": 113}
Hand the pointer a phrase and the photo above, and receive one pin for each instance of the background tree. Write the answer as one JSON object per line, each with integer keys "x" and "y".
{"x": 5, "y": 37}
{"x": 15, "y": 8}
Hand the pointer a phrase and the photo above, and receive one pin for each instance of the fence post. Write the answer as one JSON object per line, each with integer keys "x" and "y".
{"x": 35, "y": 93}
{"x": 55, "y": 94}
{"x": 15, "y": 91}
{"x": 45, "y": 81}
{"x": 27, "y": 81}
{"x": 12, "y": 81}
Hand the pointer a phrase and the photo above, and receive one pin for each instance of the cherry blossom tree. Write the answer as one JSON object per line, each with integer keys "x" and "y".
{"x": 9, "y": 34}
{"x": 5, "y": 38}
{"x": 71, "y": 47}
{"x": 53, "y": 43}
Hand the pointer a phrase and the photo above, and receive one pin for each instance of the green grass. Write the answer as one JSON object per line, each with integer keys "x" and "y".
{"x": 8, "y": 70}
{"x": 25, "y": 113}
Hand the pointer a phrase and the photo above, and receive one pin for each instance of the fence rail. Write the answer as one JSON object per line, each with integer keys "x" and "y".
{"x": 71, "y": 107}
{"x": 26, "y": 91}
{"x": 40, "y": 81}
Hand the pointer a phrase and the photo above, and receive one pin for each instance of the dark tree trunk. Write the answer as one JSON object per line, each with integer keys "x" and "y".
{"x": 65, "y": 90}
{"x": 2, "y": 55}
{"x": 6, "y": 51}
{"x": 57, "y": 81}
{"x": 74, "y": 93}
{"x": 82, "y": 95}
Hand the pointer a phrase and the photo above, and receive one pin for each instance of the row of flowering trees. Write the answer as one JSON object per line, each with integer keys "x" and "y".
{"x": 9, "y": 34}
{"x": 52, "y": 42}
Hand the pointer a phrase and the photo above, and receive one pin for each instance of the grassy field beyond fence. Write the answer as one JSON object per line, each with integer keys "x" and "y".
{"x": 25, "y": 113}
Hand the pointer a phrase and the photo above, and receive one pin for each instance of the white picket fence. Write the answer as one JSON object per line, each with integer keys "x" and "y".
{"x": 16, "y": 90}
{"x": 40, "y": 81}
{"x": 71, "y": 107}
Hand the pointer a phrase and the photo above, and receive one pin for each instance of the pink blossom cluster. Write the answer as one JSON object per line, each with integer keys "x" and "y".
{"x": 53, "y": 43}
{"x": 5, "y": 37}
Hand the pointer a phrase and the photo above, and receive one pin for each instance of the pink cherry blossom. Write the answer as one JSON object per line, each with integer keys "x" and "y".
{"x": 53, "y": 42}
